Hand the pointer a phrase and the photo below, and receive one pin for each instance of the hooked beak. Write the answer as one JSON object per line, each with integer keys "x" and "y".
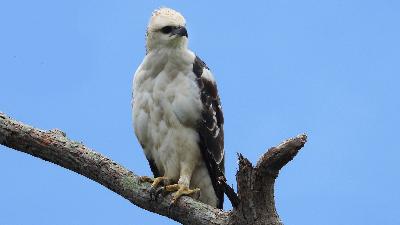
{"x": 181, "y": 31}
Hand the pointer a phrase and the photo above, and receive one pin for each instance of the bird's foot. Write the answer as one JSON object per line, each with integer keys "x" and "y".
{"x": 155, "y": 183}
{"x": 180, "y": 190}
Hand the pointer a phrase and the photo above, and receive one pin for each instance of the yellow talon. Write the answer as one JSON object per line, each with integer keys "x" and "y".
{"x": 158, "y": 180}
{"x": 155, "y": 182}
{"x": 180, "y": 190}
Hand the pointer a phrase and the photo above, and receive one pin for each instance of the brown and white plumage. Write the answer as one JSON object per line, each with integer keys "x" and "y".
{"x": 176, "y": 110}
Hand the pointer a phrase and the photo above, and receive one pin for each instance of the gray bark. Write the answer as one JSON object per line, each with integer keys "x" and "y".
{"x": 254, "y": 202}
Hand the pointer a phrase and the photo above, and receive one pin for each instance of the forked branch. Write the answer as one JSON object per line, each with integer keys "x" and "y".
{"x": 55, "y": 147}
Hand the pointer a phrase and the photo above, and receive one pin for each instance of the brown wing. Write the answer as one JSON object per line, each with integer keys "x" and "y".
{"x": 210, "y": 128}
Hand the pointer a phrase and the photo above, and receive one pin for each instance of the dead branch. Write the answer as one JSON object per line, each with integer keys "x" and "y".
{"x": 254, "y": 202}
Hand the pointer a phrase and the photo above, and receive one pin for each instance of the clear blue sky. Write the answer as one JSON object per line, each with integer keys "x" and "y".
{"x": 327, "y": 68}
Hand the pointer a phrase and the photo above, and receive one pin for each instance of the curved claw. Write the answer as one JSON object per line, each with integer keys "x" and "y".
{"x": 159, "y": 180}
{"x": 155, "y": 192}
{"x": 162, "y": 191}
{"x": 155, "y": 183}
{"x": 180, "y": 190}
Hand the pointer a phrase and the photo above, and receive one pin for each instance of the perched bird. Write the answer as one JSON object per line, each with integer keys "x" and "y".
{"x": 177, "y": 113}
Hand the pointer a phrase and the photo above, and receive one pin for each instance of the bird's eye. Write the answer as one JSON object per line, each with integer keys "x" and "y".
{"x": 166, "y": 29}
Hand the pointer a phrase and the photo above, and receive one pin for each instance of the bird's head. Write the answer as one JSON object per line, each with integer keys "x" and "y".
{"x": 166, "y": 29}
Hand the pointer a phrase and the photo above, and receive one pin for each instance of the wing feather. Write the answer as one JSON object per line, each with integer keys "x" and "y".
{"x": 210, "y": 127}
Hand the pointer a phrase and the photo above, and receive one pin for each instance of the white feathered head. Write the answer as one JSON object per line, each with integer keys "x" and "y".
{"x": 166, "y": 29}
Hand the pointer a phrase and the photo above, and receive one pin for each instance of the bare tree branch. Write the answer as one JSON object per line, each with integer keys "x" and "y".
{"x": 256, "y": 184}
{"x": 229, "y": 191}
{"x": 54, "y": 147}
{"x": 254, "y": 201}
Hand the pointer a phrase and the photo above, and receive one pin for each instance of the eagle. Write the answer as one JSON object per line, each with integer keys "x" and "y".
{"x": 177, "y": 114}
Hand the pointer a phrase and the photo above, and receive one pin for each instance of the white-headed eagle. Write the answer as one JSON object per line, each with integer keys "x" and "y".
{"x": 177, "y": 113}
